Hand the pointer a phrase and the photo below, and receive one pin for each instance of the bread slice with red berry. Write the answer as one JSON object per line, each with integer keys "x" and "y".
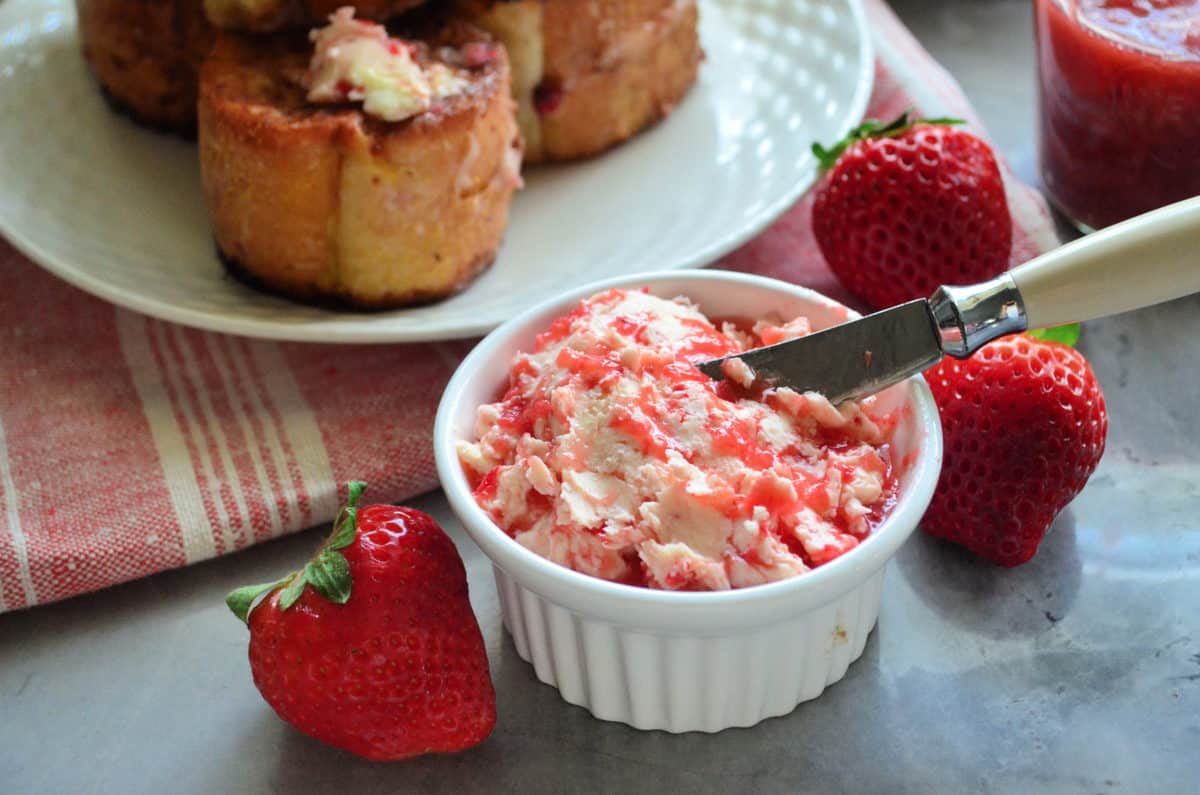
{"x": 356, "y": 168}
{"x": 146, "y": 55}
{"x": 263, "y": 16}
{"x": 588, "y": 74}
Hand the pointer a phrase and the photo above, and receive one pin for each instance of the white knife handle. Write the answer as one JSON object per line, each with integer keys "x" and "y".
{"x": 1143, "y": 261}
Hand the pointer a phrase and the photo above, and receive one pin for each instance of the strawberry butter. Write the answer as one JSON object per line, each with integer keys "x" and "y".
{"x": 356, "y": 61}
{"x": 611, "y": 454}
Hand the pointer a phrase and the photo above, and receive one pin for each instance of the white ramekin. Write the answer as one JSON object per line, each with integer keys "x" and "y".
{"x": 685, "y": 661}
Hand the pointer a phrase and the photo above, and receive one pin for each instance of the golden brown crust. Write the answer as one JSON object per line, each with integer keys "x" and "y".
{"x": 340, "y": 301}
{"x": 592, "y": 73}
{"x": 608, "y": 99}
{"x": 264, "y": 16}
{"x": 146, "y": 56}
{"x": 321, "y": 201}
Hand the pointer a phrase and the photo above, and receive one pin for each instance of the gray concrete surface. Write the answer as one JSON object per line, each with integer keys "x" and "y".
{"x": 1078, "y": 673}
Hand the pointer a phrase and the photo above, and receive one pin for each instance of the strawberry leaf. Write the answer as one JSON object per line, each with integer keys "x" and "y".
{"x": 343, "y": 534}
{"x": 872, "y": 128}
{"x": 1067, "y": 335}
{"x": 241, "y": 601}
{"x": 330, "y": 575}
{"x": 347, "y": 521}
{"x": 292, "y": 592}
{"x": 354, "y": 490}
{"x": 329, "y": 572}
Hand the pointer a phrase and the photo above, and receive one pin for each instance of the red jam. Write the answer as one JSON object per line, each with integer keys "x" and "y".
{"x": 1120, "y": 105}
{"x": 547, "y": 97}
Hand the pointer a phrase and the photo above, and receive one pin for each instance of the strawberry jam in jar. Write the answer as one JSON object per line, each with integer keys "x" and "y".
{"x": 1120, "y": 105}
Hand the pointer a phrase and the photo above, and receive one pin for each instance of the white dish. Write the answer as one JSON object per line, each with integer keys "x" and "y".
{"x": 117, "y": 210}
{"x": 685, "y": 661}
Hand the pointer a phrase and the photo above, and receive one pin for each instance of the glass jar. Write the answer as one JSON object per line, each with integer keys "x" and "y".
{"x": 1119, "y": 95}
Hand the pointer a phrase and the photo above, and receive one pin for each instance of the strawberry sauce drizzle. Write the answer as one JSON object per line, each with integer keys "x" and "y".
{"x": 646, "y": 419}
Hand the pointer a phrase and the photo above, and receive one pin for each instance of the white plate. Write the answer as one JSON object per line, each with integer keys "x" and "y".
{"x": 117, "y": 210}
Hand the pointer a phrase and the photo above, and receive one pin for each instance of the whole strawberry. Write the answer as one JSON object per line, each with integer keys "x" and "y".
{"x": 373, "y": 647}
{"x": 1024, "y": 425}
{"x": 909, "y": 206}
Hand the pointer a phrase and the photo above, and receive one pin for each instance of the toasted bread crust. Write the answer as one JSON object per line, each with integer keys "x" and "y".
{"x": 591, "y": 73}
{"x": 325, "y": 203}
{"x": 146, "y": 56}
{"x": 356, "y": 303}
{"x": 264, "y": 16}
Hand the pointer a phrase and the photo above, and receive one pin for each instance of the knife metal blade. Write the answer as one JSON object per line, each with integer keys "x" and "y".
{"x": 850, "y": 360}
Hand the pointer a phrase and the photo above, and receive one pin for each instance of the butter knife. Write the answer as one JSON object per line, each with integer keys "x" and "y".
{"x": 1148, "y": 259}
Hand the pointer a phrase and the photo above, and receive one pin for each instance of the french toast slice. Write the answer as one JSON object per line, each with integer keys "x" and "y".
{"x": 146, "y": 56}
{"x": 326, "y": 203}
{"x": 588, "y": 74}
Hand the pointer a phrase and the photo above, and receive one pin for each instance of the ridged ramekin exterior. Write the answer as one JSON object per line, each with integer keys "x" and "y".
{"x": 681, "y": 683}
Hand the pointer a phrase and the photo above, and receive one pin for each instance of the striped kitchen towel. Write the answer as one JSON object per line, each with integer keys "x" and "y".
{"x": 130, "y": 445}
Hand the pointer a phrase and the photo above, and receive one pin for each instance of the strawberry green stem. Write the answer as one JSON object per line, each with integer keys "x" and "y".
{"x": 242, "y": 599}
{"x": 1067, "y": 335}
{"x": 328, "y": 572}
{"x": 872, "y": 128}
